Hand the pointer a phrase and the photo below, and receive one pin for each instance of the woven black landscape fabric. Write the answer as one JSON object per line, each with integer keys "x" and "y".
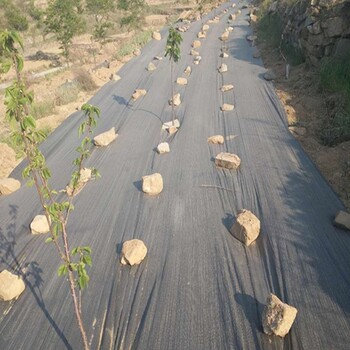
{"x": 199, "y": 287}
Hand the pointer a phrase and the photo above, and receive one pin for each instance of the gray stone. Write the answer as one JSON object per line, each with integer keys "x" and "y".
{"x": 105, "y": 138}
{"x": 11, "y": 286}
{"x": 8, "y": 186}
{"x": 246, "y": 227}
{"x": 133, "y": 252}
{"x": 152, "y": 184}
{"x": 278, "y": 317}
{"x": 227, "y": 160}
{"x": 269, "y": 75}
{"x": 342, "y": 220}
{"x": 333, "y": 26}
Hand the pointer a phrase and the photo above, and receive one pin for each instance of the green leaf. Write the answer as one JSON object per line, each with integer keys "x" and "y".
{"x": 48, "y": 240}
{"x": 62, "y": 270}
{"x": 87, "y": 260}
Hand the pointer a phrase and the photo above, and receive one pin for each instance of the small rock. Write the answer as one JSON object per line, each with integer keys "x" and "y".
{"x": 172, "y": 130}
{"x": 9, "y": 185}
{"x": 137, "y": 52}
{"x": 224, "y": 55}
{"x": 176, "y": 100}
{"x": 167, "y": 125}
{"x": 11, "y": 286}
{"x": 256, "y": 54}
{"x": 224, "y": 36}
{"x": 227, "y": 160}
{"x": 252, "y": 37}
{"x": 158, "y": 58}
{"x": 205, "y": 27}
{"x": 181, "y": 81}
{"x": 239, "y": 12}
{"x": 246, "y": 228}
{"x": 197, "y": 60}
{"x": 156, "y": 36}
{"x": 138, "y": 93}
{"x": 152, "y": 184}
{"x": 230, "y": 29}
{"x": 227, "y": 87}
{"x": 227, "y": 107}
{"x": 188, "y": 70}
{"x": 233, "y": 5}
{"x": 194, "y": 52}
{"x": 278, "y": 317}
{"x": 133, "y": 252}
{"x": 105, "y": 138}
{"x": 196, "y": 44}
{"x": 253, "y": 18}
{"x": 201, "y": 35}
{"x": 223, "y": 68}
{"x": 163, "y": 148}
{"x": 151, "y": 67}
{"x": 232, "y": 17}
{"x": 216, "y": 139}
{"x": 115, "y": 77}
{"x": 269, "y": 75}
{"x": 342, "y": 220}
{"x": 40, "y": 225}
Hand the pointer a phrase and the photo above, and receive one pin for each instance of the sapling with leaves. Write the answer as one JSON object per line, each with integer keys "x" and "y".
{"x": 74, "y": 261}
{"x": 173, "y": 50}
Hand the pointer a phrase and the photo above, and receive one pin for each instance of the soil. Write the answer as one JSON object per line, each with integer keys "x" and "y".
{"x": 305, "y": 107}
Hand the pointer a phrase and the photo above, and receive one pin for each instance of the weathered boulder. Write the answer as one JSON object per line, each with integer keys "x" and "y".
{"x": 188, "y": 70}
{"x": 194, "y": 52}
{"x": 151, "y": 67}
{"x": 133, "y": 252}
{"x": 105, "y": 138}
{"x": 227, "y": 107}
{"x": 167, "y": 125}
{"x": 246, "y": 228}
{"x": 156, "y": 36}
{"x": 152, "y": 184}
{"x": 138, "y": 93}
{"x": 333, "y": 27}
{"x": 163, "y": 148}
{"x": 278, "y": 317}
{"x": 205, "y": 27}
{"x": 227, "y": 87}
{"x": 9, "y": 185}
{"x": 216, "y": 139}
{"x": 197, "y": 60}
{"x": 227, "y": 160}
{"x": 342, "y": 220}
{"x": 176, "y": 100}
{"x": 269, "y": 75}
{"x": 196, "y": 44}
{"x": 40, "y": 225}
{"x": 223, "y": 68}
{"x": 11, "y": 286}
{"x": 224, "y": 55}
{"x": 181, "y": 81}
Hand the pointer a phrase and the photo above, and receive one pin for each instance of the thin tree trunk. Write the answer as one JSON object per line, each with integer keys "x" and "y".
{"x": 172, "y": 91}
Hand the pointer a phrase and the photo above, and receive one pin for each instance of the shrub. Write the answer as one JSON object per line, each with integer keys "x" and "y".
{"x": 84, "y": 80}
{"x": 67, "y": 93}
{"x": 42, "y": 109}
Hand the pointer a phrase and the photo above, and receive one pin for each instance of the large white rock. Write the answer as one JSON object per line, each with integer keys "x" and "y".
{"x": 138, "y": 93}
{"x": 229, "y": 29}
{"x": 40, "y": 225}
{"x": 167, "y": 125}
{"x": 246, "y": 228}
{"x": 278, "y": 317}
{"x": 11, "y": 286}
{"x": 176, "y": 100}
{"x": 188, "y": 70}
{"x": 216, "y": 139}
{"x": 156, "y": 36}
{"x": 151, "y": 67}
{"x": 133, "y": 252}
{"x": 105, "y": 138}
{"x": 227, "y": 87}
{"x": 163, "y": 148}
{"x": 196, "y": 44}
{"x": 227, "y": 160}
{"x": 152, "y": 184}
{"x": 9, "y": 185}
{"x": 223, "y": 68}
{"x": 227, "y": 107}
{"x": 342, "y": 220}
{"x": 181, "y": 81}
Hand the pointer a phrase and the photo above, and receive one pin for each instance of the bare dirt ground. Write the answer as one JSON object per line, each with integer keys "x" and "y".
{"x": 305, "y": 107}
